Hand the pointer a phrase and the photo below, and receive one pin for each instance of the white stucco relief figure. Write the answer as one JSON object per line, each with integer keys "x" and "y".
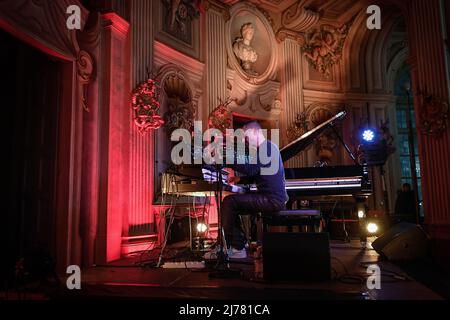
{"x": 244, "y": 51}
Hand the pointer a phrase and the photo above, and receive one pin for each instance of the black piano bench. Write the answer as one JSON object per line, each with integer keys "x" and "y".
{"x": 308, "y": 220}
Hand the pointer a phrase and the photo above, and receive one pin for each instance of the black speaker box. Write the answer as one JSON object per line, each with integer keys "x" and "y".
{"x": 404, "y": 241}
{"x": 296, "y": 256}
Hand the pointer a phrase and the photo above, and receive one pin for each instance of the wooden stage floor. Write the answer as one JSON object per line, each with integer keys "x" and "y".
{"x": 124, "y": 279}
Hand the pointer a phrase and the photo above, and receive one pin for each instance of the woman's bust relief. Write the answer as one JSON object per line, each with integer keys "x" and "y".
{"x": 243, "y": 50}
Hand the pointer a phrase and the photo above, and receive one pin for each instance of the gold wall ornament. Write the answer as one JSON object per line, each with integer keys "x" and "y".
{"x": 179, "y": 116}
{"x": 325, "y": 143}
{"x": 299, "y": 127}
{"x": 433, "y": 113}
{"x": 314, "y": 115}
{"x": 145, "y": 105}
{"x": 221, "y": 118}
{"x": 323, "y": 47}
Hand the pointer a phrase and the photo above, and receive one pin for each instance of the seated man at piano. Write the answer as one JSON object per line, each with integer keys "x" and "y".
{"x": 268, "y": 175}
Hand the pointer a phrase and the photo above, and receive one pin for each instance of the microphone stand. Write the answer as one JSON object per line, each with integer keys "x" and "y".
{"x": 352, "y": 156}
{"x": 222, "y": 267}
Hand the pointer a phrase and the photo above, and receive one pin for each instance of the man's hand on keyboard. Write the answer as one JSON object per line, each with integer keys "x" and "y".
{"x": 233, "y": 180}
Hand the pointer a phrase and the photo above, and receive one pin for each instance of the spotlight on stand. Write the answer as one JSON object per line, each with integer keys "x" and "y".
{"x": 374, "y": 149}
{"x": 201, "y": 227}
{"x": 361, "y": 214}
{"x": 200, "y": 240}
{"x": 372, "y": 228}
{"x": 368, "y": 135}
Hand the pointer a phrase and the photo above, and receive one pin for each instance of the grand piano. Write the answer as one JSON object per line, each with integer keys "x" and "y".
{"x": 328, "y": 181}
{"x": 301, "y": 183}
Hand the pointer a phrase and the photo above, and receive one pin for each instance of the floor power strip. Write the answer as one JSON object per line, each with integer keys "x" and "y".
{"x": 184, "y": 265}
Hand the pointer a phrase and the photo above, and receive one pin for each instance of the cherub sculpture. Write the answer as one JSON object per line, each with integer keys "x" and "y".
{"x": 323, "y": 49}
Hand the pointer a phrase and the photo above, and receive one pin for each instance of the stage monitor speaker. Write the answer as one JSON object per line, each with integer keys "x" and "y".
{"x": 404, "y": 241}
{"x": 296, "y": 256}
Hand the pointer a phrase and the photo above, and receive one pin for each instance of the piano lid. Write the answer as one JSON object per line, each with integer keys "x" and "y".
{"x": 293, "y": 148}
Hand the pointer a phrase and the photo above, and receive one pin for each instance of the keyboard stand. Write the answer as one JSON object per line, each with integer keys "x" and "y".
{"x": 166, "y": 235}
{"x": 222, "y": 267}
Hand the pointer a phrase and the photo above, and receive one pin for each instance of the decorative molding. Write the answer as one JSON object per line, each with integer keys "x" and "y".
{"x": 433, "y": 113}
{"x": 39, "y": 24}
{"x": 263, "y": 42}
{"x": 325, "y": 97}
{"x": 42, "y": 21}
{"x": 243, "y": 100}
{"x": 165, "y": 55}
{"x": 254, "y": 100}
{"x": 298, "y": 19}
{"x": 85, "y": 68}
{"x": 181, "y": 94}
{"x": 216, "y": 57}
{"x": 180, "y": 11}
{"x": 298, "y": 127}
{"x": 89, "y": 40}
{"x": 181, "y": 110}
{"x": 282, "y": 34}
{"x": 188, "y": 39}
{"x": 141, "y": 51}
{"x": 292, "y": 94}
{"x": 323, "y": 46}
{"x": 316, "y": 81}
{"x": 267, "y": 106}
{"x": 115, "y": 21}
{"x": 268, "y": 17}
{"x": 397, "y": 62}
{"x": 170, "y": 70}
{"x": 178, "y": 17}
{"x": 222, "y": 8}
{"x": 314, "y": 115}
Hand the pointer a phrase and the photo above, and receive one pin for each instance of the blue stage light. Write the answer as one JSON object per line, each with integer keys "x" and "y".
{"x": 368, "y": 135}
